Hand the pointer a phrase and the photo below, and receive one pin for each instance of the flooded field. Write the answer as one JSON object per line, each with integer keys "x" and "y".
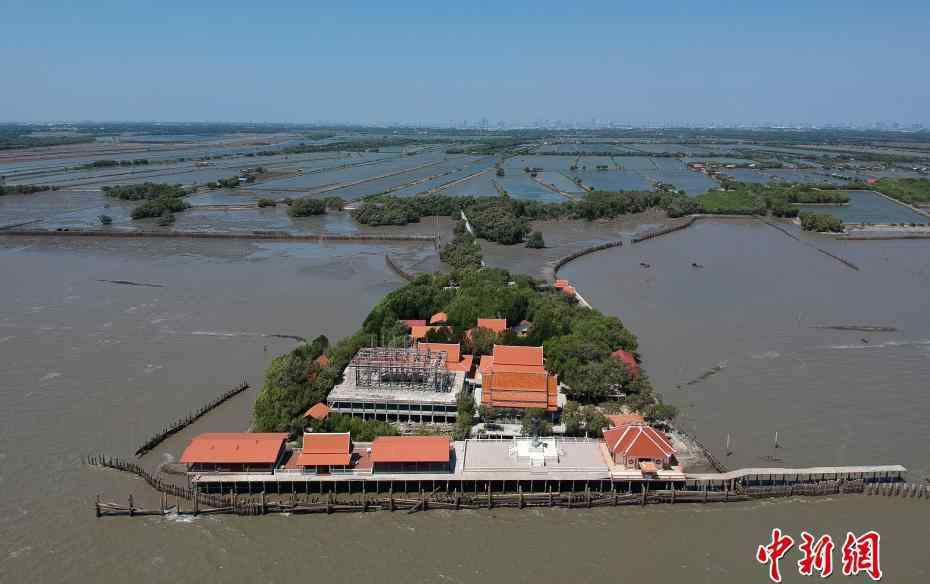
{"x": 744, "y": 347}
{"x": 869, "y": 207}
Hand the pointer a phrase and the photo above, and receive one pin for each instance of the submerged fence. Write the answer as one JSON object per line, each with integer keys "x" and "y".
{"x": 187, "y": 420}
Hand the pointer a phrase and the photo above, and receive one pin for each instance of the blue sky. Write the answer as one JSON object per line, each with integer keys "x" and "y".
{"x": 438, "y": 62}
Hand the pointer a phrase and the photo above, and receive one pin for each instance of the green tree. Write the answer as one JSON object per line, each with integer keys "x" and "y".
{"x": 534, "y": 423}
{"x": 535, "y": 240}
{"x": 597, "y": 381}
{"x": 306, "y": 207}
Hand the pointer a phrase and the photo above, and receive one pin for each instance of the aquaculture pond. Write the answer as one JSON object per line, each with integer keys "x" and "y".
{"x": 868, "y": 207}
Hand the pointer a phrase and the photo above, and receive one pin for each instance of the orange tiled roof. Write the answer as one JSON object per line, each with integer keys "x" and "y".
{"x": 453, "y": 350}
{"x": 412, "y": 322}
{"x": 638, "y": 441}
{"x": 520, "y": 390}
{"x": 234, "y": 448}
{"x": 559, "y": 284}
{"x": 419, "y": 332}
{"x": 497, "y": 325}
{"x": 326, "y": 449}
{"x": 439, "y": 317}
{"x": 410, "y": 449}
{"x": 317, "y": 412}
{"x": 512, "y": 355}
{"x": 464, "y": 365}
{"x": 322, "y": 361}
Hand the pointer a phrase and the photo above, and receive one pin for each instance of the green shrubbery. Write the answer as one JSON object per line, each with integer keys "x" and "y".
{"x": 306, "y": 207}
{"x": 535, "y": 241}
{"x": 24, "y": 189}
{"x": 463, "y": 251}
{"x": 159, "y": 207}
{"x": 821, "y": 222}
{"x": 505, "y": 220}
{"x": 143, "y": 191}
{"x": 907, "y": 190}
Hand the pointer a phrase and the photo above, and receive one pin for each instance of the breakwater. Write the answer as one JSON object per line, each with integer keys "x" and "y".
{"x": 189, "y": 419}
{"x": 278, "y": 235}
{"x": 665, "y": 230}
{"x": 561, "y": 262}
{"x": 397, "y": 269}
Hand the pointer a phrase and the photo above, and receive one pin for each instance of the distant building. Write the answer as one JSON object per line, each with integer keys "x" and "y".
{"x": 497, "y": 325}
{"x": 439, "y": 318}
{"x": 234, "y": 452}
{"x": 319, "y": 412}
{"x": 627, "y": 359}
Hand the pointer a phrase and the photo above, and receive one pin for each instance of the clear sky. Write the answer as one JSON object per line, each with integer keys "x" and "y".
{"x": 816, "y": 61}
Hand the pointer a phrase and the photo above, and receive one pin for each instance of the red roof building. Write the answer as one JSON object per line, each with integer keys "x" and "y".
{"x": 497, "y": 325}
{"x": 627, "y": 359}
{"x": 637, "y": 445}
{"x": 322, "y": 361}
{"x": 324, "y": 452}
{"x": 234, "y": 452}
{"x": 439, "y": 318}
{"x": 414, "y": 322}
{"x": 419, "y": 332}
{"x": 455, "y": 361}
{"x": 393, "y": 454}
{"x": 521, "y": 390}
{"x": 319, "y": 411}
{"x": 516, "y": 378}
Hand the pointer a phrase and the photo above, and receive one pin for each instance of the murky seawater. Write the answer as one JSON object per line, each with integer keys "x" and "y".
{"x": 91, "y": 366}
{"x": 739, "y": 343}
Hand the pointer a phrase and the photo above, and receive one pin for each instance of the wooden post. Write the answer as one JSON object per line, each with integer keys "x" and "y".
{"x": 97, "y": 505}
{"x": 520, "y": 491}
{"x": 132, "y": 510}
{"x": 673, "y": 492}
{"x": 643, "y": 493}
{"x": 263, "y": 502}
{"x": 196, "y": 503}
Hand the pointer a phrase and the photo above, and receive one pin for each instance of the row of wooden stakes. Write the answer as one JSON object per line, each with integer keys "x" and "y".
{"x": 182, "y": 423}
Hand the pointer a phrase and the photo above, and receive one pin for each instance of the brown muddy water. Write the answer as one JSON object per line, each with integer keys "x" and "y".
{"x": 90, "y": 366}
{"x": 738, "y": 344}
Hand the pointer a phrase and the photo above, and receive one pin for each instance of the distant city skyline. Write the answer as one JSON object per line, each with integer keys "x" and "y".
{"x": 521, "y": 64}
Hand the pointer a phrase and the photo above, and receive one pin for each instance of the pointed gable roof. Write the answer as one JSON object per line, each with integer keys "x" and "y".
{"x": 318, "y": 411}
{"x": 638, "y": 441}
